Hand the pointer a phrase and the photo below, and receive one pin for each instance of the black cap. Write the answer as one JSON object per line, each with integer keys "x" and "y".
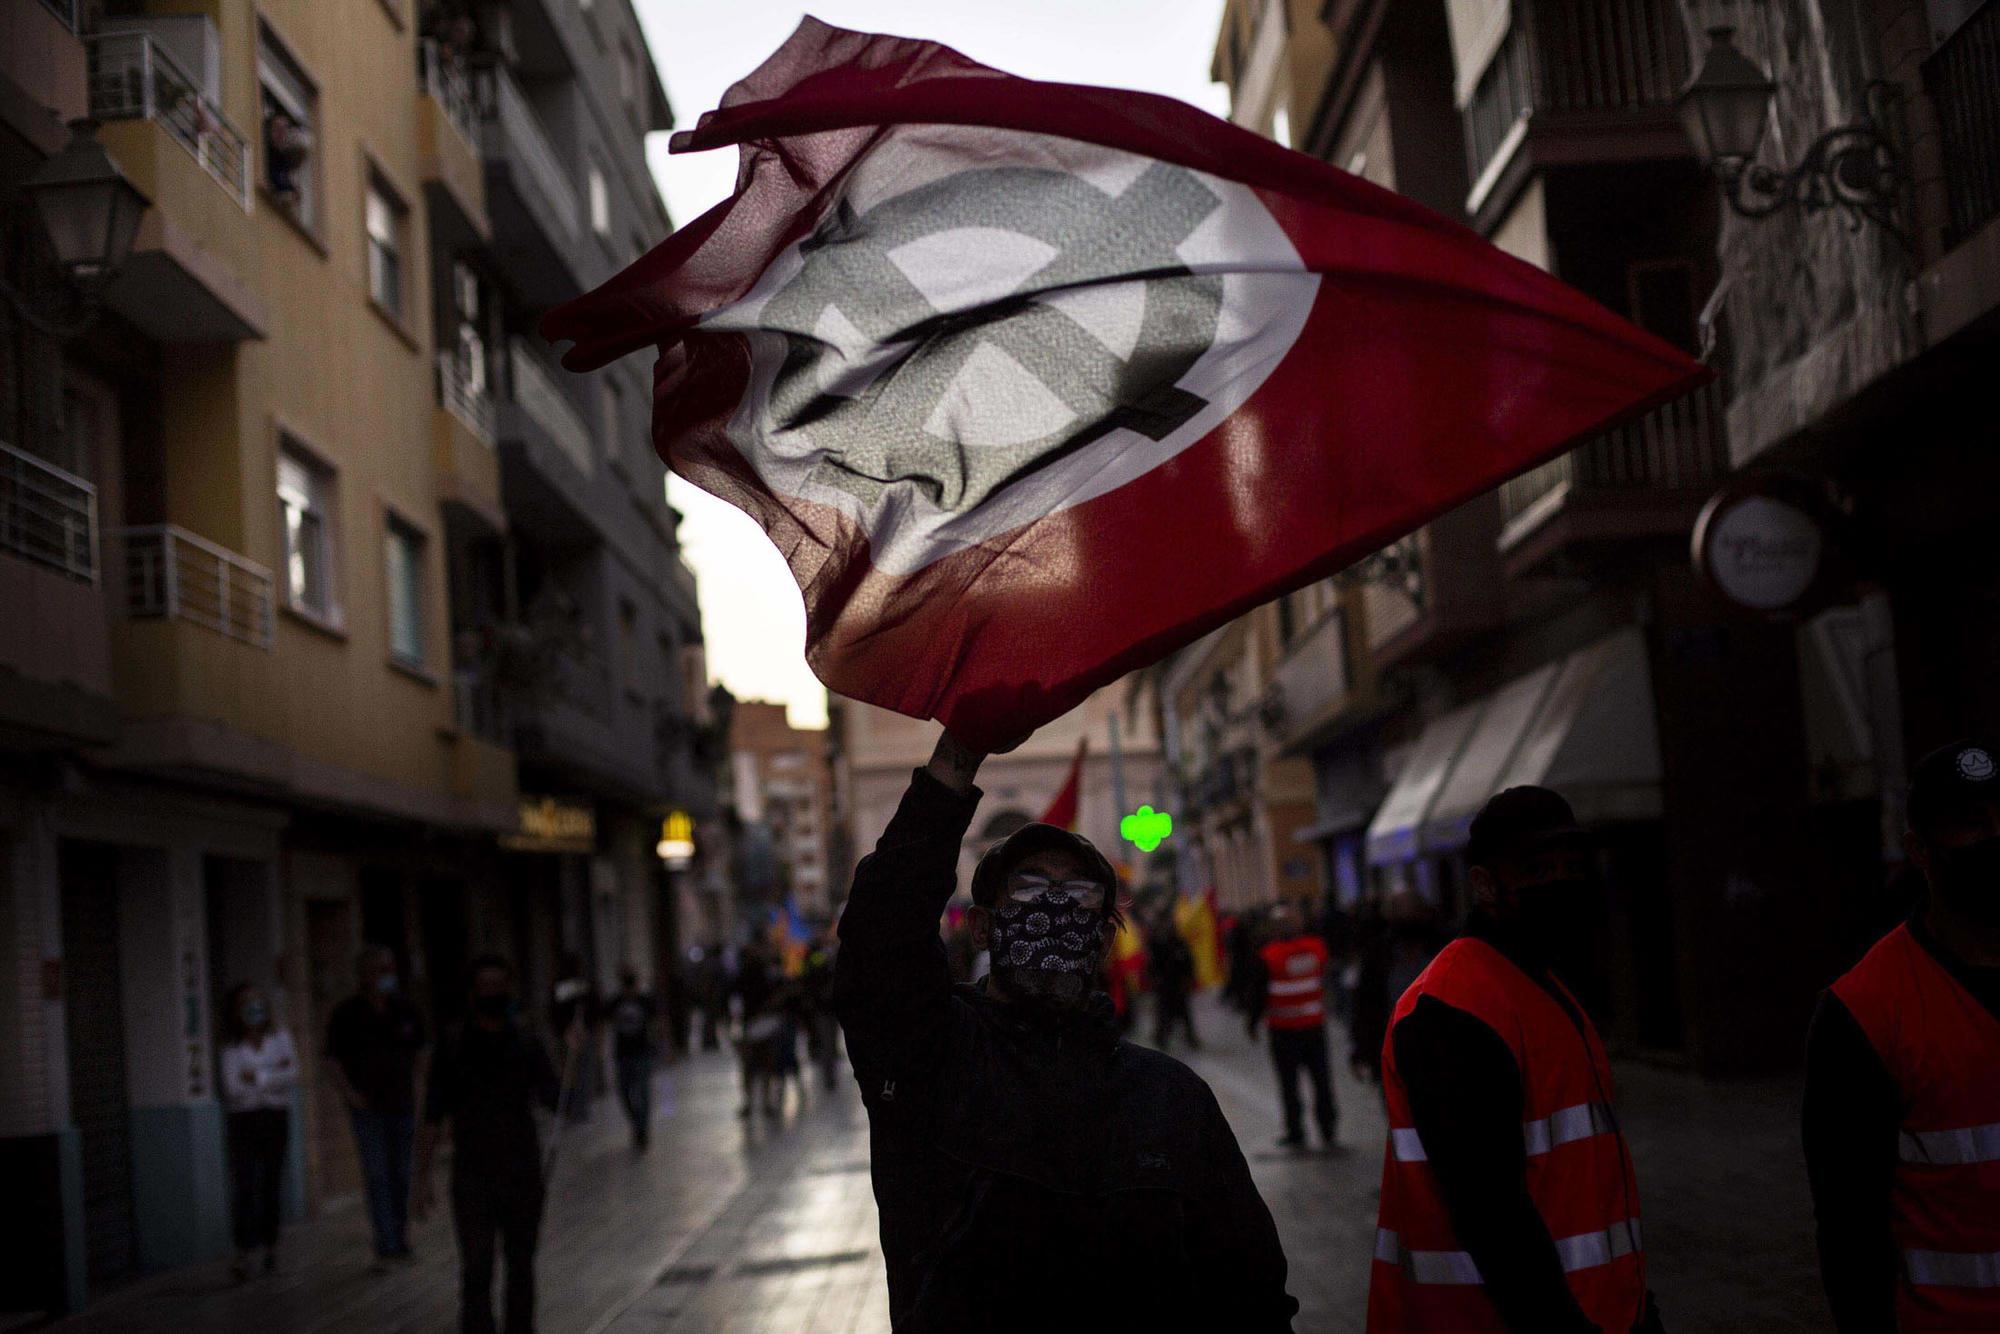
{"x": 1519, "y": 821}
{"x": 1952, "y": 780}
{"x": 1024, "y": 843}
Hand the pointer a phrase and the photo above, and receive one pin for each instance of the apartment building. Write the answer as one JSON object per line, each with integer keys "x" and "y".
{"x": 339, "y": 614}
{"x": 782, "y": 787}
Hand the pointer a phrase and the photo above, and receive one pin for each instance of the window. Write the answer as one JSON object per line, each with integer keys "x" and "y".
{"x": 469, "y": 342}
{"x": 600, "y": 202}
{"x": 1662, "y": 293}
{"x": 404, "y": 568}
{"x": 305, "y": 501}
{"x": 289, "y": 107}
{"x": 628, "y": 647}
{"x": 628, "y": 74}
{"x": 387, "y": 225}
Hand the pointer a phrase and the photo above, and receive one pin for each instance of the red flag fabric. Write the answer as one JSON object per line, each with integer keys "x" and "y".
{"x": 1062, "y": 811}
{"x": 1032, "y": 383}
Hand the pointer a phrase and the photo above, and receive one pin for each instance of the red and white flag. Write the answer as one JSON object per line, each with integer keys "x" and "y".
{"x": 1032, "y": 383}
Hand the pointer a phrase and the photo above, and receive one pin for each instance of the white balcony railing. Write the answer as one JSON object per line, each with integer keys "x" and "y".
{"x": 47, "y": 516}
{"x": 449, "y": 85}
{"x": 536, "y": 391}
{"x": 133, "y": 78}
{"x": 463, "y": 398}
{"x": 171, "y": 572}
{"x": 514, "y": 133}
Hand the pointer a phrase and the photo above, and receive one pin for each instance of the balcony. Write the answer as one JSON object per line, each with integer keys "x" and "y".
{"x": 47, "y": 516}
{"x": 171, "y": 573}
{"x": 531, "y": 197}
{"x": 463, "y": 434}
{"x": 183, "y": 282}
{"x": 546, "y": 457}
{"x": 59, "y": 676}
{"x": 448, "y": 146}
{"x": 1575, "y": 81}
{"x": 1963, "y": 79}
{"x": 1646, "y": 479}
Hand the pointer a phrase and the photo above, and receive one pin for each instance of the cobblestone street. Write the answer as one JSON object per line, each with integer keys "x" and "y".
{"x": 722, "y": 1229}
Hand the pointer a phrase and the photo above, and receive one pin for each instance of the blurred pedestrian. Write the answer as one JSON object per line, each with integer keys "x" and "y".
{"x": 489, "y": 1076}
{"x": 1170, "y": 969}
{"x": 759, "y": 1004}
{"x": 259, "y": 1072}
{"x": 1508, "y": 1197}
{"x": 1371, "y": 1001}
{"x": 816, "y": 1003}
{"x": 1031, "y": 1169}
{"x": 374, "y": 1045}
{"x": 1902, "y": 1102}
{"x": 634, "y": 1020}
{"x": 574, "y": 1007}
{"x": 1244, "y": 988}
{"x": 1294, "y": 1014}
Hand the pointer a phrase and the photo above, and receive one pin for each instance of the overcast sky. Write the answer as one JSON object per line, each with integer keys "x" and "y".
{"x": 752, "y": 617}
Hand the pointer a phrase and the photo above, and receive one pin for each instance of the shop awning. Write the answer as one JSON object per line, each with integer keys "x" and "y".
{"x": 1488, "y": 753}
{"x": 1392, "y": 835}
{"x": 1595, "y": 739}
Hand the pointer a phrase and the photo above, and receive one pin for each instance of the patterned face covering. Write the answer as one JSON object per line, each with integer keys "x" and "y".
{"x": 1049, "y": 931}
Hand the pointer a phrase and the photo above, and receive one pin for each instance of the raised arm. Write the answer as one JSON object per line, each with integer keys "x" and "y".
{"x": 891, "y": 981}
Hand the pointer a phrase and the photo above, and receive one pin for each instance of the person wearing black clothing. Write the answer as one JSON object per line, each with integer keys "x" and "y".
{"x": 1171, "y": 966}
{"x": 634, "y": 1017}
{"x": 1032, "y": 1170}
{"x": 1529, "y": 870}
{"x": 488, "y": 1078}
{"x": 1855, "y": 1110}
{"x": 374, "y": 1045}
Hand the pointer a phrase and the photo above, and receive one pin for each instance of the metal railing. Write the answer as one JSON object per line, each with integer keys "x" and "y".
{"x": 512, "y": 130}
{"x": 47, "y": 515}
{"x": 133, "y": 78}
{"x": 1963, "y": 79}
{"x": 535, "y": 390}
{"x": 1575, "y": 55}
{"x": 1678, "y": 446}
{"x": 65, "y": 12}
{"x": 450, "y": 86}
{"x": 472, "y": 406}
{"x": 171, "y": 572}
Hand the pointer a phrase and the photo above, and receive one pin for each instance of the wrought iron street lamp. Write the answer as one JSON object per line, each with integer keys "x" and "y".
{"x": 1726, "y": 108}
{"x": 91, "y": 215}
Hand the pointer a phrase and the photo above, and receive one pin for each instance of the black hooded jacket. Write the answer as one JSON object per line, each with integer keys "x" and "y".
{"x": 1032, "y": 1174}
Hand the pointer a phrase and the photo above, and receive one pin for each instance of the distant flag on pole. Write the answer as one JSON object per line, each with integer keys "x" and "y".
{"x": 1062, "y": 811}
{"x": 1032, "y": 383}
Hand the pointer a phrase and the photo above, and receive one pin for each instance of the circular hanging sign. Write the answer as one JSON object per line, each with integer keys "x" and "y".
{"x": 1762, "y": 544}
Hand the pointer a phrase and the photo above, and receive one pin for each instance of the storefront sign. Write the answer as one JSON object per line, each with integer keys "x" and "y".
{"x": 550, "y": 825}
{"x": 1761, "y": 543}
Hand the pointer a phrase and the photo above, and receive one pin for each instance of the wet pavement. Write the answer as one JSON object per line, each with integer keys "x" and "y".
{"x": 728, "y": 1227}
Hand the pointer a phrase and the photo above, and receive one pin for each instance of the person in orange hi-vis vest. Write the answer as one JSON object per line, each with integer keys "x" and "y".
{"x": 1902, "y": 1106}
{"x": 1508, "y": 1196}
{"x": 1295, "y": 1014}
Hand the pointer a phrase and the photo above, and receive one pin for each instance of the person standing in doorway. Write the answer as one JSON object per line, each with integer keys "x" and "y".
{"x": 1902, "y": 1102}
{"x": 634, "y": 1040}
{"x": 1294, "y": 1014}
{"x": 259, "y": 1072}
{"x": 374, "y": 1046}
{"x": 489, "y": 1076}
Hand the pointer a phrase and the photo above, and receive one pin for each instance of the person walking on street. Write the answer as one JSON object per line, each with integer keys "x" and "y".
{"x": 259, "y": 1072}
{"x": 489, "y": 1076}
{"x": 1508, "y": 1196}
{"x": 573, "y": 1005}
{"x": 1902, "y": 1102}
{"x": 1032, "y": 1170}
{"x": 374, "y": 1045}
{"x": 1171, "y": 965}
{"x": 634, "y": 1040}
{"x": 1294, "y": 1014}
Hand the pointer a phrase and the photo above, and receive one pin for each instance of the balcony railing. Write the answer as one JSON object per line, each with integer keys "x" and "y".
{"x": 463, "y": 398}
{"x": 535, "y": 390}
{"x": 65, "y": 12}
{"x": 512, "y": 131}
{"x": 1679, "y": 446}
{"x": 173, "y": 573}
{"x": 133, "y": 78}
{"x": 1575, "y": 55}
{"x": 1963, "y": 78}
{"x": 47, "y": 516}
{"x": 450, "y": 86}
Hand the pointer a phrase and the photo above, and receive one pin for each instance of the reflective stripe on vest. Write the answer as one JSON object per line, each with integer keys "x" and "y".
{"x": 1295, "y": 987}
{"x": 1950, "y": 1269}
{"x": 1586, "y": 1250}
{"x": 1564, "y": 1126}
{"x": 1953, "y": 1148}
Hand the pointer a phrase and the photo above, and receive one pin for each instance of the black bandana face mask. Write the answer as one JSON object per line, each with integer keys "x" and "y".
{"x": 1051, "y": 932}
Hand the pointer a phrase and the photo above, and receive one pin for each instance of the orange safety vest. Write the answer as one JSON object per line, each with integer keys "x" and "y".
{"x": 1942, "y": 1047}
{"x": 1294, "y": 996}
{"x": 1579, "y": 1172}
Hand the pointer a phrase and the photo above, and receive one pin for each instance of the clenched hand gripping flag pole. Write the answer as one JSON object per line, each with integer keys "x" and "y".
{"x": 1032, "y": 383}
